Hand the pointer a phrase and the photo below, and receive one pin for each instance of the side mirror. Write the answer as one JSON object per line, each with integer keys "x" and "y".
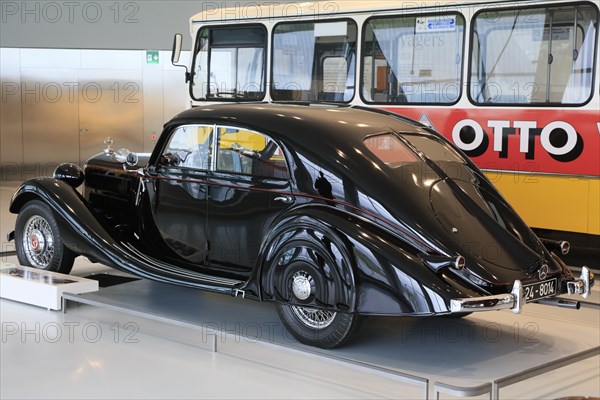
{"x": 170, "y": 159}
{"x": 176, "y": 54}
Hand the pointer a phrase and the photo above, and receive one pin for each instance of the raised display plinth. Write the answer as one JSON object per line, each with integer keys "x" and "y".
{"x": 40, "y": 288}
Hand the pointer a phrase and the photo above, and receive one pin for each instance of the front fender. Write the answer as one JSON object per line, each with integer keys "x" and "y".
{"x": 388, "y": 275}
{"x": 89, "y": 236}
{"x": 81, "y": 230}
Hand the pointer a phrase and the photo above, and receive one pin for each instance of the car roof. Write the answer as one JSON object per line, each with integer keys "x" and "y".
{"x": 305, "y": 125}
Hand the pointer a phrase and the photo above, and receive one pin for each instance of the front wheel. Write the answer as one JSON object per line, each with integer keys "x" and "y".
{"x": 38, "y": 240}
{"x": 320, "y": 328}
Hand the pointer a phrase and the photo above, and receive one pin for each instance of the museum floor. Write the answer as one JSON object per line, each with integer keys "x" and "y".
{"x": 94, "y": 353}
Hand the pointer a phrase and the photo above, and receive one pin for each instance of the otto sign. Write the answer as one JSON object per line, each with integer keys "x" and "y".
{"x": 559, "y": 139}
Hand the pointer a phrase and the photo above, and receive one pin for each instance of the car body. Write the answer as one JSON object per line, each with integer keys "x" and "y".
{"x": 330, "y": 212}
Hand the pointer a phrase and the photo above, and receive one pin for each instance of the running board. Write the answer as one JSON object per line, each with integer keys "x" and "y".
{"x": 193, "y": 279}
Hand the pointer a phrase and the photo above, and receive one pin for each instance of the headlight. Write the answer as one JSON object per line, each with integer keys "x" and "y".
{"x": 69, "y": 173}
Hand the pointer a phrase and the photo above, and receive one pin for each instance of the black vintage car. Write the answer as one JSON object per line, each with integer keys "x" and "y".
{"x": 330, "y": 212}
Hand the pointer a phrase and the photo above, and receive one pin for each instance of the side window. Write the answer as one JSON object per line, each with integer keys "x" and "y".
{"x": 189, "y": 147}
{"x": 314, "y": 61}
{"x": 534, "y": 56}
{"x": 249, "y": 153}
{"x": 414, "y": 59}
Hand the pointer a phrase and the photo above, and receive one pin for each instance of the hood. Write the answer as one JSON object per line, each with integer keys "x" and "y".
{"x": 106, "y": 161}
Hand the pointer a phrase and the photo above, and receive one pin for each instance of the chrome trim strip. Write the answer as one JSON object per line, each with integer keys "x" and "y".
{"x": 488, "y": 303}
{"x": 215, "y": 148}
{"x": 587, "y": 277}
{"x": 510, "y": 301}
{"x": 583, "y": 285}
{"x": 519, "y": 297}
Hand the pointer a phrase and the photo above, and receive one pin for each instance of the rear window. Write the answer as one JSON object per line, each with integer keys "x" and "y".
{"x": 391, "y": 150}
{"x": 394, "y": 152}
{"x": 434, "y": 149}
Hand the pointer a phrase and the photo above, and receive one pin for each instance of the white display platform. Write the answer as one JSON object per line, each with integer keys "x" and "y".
{"x": 40, "y": 288}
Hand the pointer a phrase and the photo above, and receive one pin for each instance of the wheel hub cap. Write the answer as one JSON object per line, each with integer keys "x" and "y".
{"x": 37, "y": 242}
{"x": 302, "y": 286}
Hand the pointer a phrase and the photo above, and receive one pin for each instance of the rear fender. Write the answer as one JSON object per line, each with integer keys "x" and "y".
{"x": 336, "y": 277}
{"x": 388, "y": 276}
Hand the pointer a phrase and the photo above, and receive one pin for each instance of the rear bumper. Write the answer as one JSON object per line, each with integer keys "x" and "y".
{"x": 515, "y": 300}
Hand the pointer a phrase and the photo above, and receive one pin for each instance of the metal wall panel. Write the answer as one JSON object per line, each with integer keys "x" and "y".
{"x": 111, "y": 100}
{"x": 153, "y": 102}
{"x": 110, "y": 105}
{"x": 50, "y": 119}
{"x": 11, "y": 129}
{"x": 176, "y": 94}
{"x": 66, "y": 102}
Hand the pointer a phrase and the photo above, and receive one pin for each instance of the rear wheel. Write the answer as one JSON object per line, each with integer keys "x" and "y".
{"x": 320, "y": 328}
{"x": 314, "y": 281}
{"x": 38, "y": 240}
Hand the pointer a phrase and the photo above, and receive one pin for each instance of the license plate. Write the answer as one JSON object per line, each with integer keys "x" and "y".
{"x": 540, "y": 290}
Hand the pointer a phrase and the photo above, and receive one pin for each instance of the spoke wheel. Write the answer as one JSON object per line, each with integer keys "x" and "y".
{"x": 39, "y": 242}
{"x": 315, "y": 319}
{"x": 311, "y": 279}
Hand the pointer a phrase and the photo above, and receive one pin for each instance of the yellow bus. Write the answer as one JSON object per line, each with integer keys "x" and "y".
{"x": 514, "y": 84}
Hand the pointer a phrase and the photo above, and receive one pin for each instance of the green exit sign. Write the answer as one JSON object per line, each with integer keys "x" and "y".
{"x": 152, "y": 57}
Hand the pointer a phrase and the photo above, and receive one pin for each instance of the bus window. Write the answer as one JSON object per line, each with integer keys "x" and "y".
{"x": 230, "y": 64}
{"x": 413, "y": 59}
{"x": 314, "y": 61}
{"x": 534, "y": 56}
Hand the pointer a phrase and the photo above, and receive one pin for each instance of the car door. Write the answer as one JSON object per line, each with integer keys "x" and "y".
{"x": 180, "y": 192}
{"x": 249, "y": 188}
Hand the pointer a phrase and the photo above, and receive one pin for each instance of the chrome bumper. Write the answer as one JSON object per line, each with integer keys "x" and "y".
{"x": 515, "y": 299}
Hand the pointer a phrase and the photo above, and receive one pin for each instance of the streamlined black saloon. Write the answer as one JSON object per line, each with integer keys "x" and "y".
{"x": 329, "y": 212}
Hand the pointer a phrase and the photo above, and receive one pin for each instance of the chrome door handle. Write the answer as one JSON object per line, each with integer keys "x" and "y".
{"x": 285, "y": 199}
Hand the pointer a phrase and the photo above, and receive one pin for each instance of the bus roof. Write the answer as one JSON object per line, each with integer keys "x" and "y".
{"x": 320, "y": 10}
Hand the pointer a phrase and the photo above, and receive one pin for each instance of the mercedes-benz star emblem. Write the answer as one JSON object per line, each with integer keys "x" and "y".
{"x": 543, "y": 272}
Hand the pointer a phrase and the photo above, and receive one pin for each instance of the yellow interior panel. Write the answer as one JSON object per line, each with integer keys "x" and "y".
{"x": 246, "y": 139}
{"x": 560, "y": 203}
